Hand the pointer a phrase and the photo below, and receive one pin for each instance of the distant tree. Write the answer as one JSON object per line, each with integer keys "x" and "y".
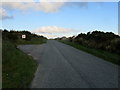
{"x": 5, "y": 30}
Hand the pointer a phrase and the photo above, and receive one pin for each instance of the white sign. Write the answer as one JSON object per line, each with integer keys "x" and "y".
{"x": 23, "y": 36}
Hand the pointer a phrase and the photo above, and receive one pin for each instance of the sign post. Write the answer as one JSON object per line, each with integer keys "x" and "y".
{"x": 23, "y": 36}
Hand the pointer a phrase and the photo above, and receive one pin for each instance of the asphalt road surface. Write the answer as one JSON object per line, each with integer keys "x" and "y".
{"x": 62, "y": 66}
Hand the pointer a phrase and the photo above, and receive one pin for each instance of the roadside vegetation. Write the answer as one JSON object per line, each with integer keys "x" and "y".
{"x": 18, "y": 68}
{"x": 16, "y": 37}
{"x": 101, "y": 44}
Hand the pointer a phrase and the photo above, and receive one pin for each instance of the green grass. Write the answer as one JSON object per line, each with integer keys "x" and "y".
{"x": 37, "y": 41}
{"x": 17, "y": 67}
{"x": 112, "y": 57}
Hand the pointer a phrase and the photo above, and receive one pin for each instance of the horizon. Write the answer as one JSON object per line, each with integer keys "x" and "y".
{"x": 60, "y": 19}
{"x": 58, "y": 37}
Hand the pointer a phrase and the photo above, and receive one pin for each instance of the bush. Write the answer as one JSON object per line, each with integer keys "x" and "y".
{"x": 105, "y": 41}
{"x": 13, "y": 36}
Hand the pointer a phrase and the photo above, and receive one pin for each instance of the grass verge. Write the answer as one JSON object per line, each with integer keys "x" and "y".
{"x": 114, "y": 58}
{"x": 17, "y": 67}
{"x": 37, "y": 41}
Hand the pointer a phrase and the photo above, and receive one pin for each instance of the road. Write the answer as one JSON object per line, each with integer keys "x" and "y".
{"x": 62, "y": 66}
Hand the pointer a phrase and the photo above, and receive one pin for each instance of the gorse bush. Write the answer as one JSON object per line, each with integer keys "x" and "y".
{"x": 107, "y": 41}
{"x": 17, "y": 35}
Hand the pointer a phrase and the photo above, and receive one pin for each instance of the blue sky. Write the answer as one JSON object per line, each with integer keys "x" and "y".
{"x": 66, "y": 20}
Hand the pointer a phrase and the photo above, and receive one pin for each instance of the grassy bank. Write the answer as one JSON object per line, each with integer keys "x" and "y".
{"x": 114, "y": 58}
{"x": 36, "y": 41}
{"x": 17, "y": 67}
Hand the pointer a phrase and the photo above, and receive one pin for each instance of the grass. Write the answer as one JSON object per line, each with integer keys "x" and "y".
{"x": 112, "y": 57}
{"x": 35, "y": 41}
{"x": 17, "y": 67}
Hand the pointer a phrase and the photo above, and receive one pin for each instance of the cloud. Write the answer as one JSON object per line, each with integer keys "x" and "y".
{"x": 78, "y": 4}
{"x": 35, "y": 0}
{"x": 60, "y": 0}
{"x": 52, "y": 36}
{"x": 43, "y": 5}
{"x": 49, "y": 36}
{"x": 4, "y": 14}
{"x": 52, "y": 30}
{"x": 47, "y": 7}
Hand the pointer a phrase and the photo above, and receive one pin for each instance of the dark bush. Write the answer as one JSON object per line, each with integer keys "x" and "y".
{"x": 13, "y": 36}
{"x": 100, "y": 40}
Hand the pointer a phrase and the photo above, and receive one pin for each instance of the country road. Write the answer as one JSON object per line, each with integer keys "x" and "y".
{"x": 62, "y": 66}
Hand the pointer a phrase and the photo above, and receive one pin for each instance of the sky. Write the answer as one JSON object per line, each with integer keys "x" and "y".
{"x": 59, "y": 19}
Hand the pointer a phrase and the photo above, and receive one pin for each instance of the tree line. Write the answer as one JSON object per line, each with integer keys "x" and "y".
{"x": 13, "y": 35}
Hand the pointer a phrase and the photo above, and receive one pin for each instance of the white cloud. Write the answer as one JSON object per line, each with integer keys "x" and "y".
{"x": 60, "y": 0}
{"x": 52, "y": 29}
{"x": 40, "y": 6}
{"x": 49, "y": 6}
{"x": 4, "y": 14}
{"x": 49, "y": 36}
{"x": 52, "y": 36}
{"x": 17, "y": 0}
